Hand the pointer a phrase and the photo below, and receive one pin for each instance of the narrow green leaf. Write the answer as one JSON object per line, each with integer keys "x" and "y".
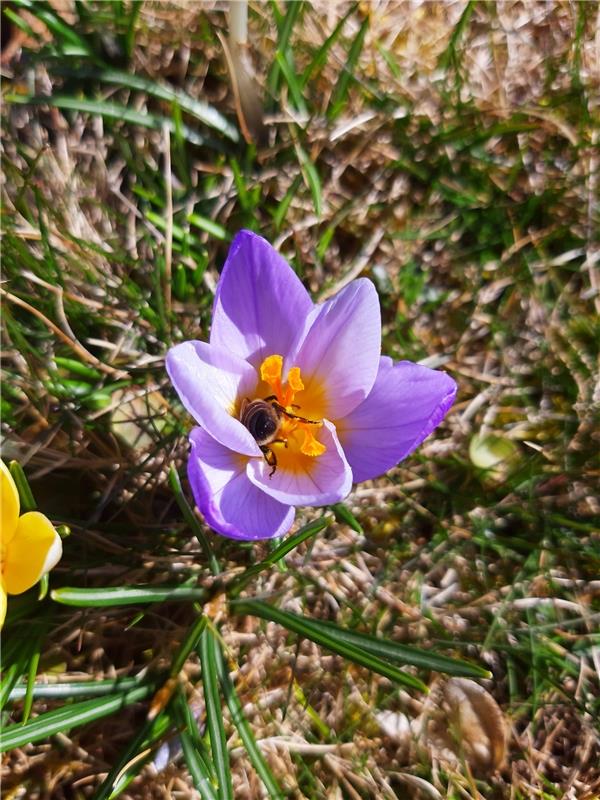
{"x": 210, "y": 226}
{"x": 292, "y": 82}
{"x": 108, "y": 110}
{"x": 311, "y": 179}
{"x": 280, "y": 552}
{"x": 70, "y": 716}
{"x": 320, "y": 57}
{"x": 31, "y": 673}
{"x": 130, "y": 763}
{"x": 54, "y": 24}
{"x": 245, "y": 731}
{"x": 25, "y": 494}
{"x": 401, "y": 653}
{"x": 328, "y": 639}
{"x": 192, "y": 520}
{"x": 136, "y": 7}
{"x": 124, "y": 595}
{"x": 68, "y": 691}
{"x": 343, "y": 514}
{"x": 282, "y": 208}
{"x": 189, "y": 643}
{"x": 78, "y": 368}
{"x": 196, "y": 108}
{"x": 16, "y": 660}
{"x": 285, "y": 32}
{"x": 214, "y": 714}
{"x": 449, "y": 55}
{"x": 340, "y": 96}
{"x": 194, "y": 751}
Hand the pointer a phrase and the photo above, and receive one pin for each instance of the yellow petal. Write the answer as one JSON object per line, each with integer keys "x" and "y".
{"x": 10, "y": 505}
{"x": 34, "y": 550}
{"x": 2, "y": 605}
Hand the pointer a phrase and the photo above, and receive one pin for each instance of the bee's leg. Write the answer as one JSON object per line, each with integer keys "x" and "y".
{"x": 284, "y": 442}
{"x": 299, "y": 418}
{"x": 270, "y": 458}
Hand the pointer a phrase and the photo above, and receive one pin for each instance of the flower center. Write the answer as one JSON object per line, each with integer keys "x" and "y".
{"x": 294, "y": 429}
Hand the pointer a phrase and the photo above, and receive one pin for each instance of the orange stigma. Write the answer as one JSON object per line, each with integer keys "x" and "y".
{"x": 285, "y": 393}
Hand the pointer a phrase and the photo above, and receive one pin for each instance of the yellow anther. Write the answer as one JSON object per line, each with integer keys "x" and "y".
{"x": 294, "y": 380}
{"x": 270, "y": 369}
{"x": 310, "y": 446}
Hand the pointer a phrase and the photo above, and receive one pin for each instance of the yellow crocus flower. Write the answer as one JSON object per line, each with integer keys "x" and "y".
{"x": 29, "y": 545}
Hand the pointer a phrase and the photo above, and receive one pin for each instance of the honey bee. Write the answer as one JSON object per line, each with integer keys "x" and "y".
{"x": 264, "y": 419}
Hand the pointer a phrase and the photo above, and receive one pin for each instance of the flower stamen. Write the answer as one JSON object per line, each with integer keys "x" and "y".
{"x": 271, "y": 373}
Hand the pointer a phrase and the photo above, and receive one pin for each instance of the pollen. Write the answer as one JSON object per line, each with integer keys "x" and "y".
{"x": 270, "y": 370}
{"x": 294, "y": 380}
{"x": 297, "y": 434}
{"x": 271, "y": 373}
{"x": 310, "y": 446}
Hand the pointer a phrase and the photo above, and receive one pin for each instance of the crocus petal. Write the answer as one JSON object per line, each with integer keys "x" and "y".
{"x": 34, "y": 550}
{"x": 2, "y": 604}
{"x": 315, "y": 481}
{"x": 339, "y": 354}
{"x": 228, "y": 501}
{"x": 406, "y": 403}
{"x": 260, "y": 305}
{"x": 210, "y": 382}
{"x": 10, "y": 505}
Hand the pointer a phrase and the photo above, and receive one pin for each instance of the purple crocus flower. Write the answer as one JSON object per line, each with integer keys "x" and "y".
{"x": 293, "y": 400}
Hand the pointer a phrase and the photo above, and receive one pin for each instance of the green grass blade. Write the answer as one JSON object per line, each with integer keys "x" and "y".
{"x": 330, "y": 640}
{"x": 340, "y": 96}
{"x": 55, "y": 25}
{"x": 70, "y": 716}
{"x": 282, "y": 209}
{"x": 192, "y": 520}
{"x": 108, "y": 110}
{"x": 285, "y": 32}
{"x": 25, "y": 494}
{"x": 125, "y": 595}
{"x": 292, "y": 82}
{"x": 129, "y": 37}
{"x": 214, "y": 715}
{"x": 130, "y": 763}
{"x": 280, "y": 552}
{"x": 343, "y": 514}
{"x": 210, "y": 226}
{"x": 190, "y": 643}
{"x": 449, "y": 56}
{"x": 65, "y": 690}
{"x": 403, "y": 654}
{"x": 193, "y": 749}
{"x": 31, "y": 674}
{"x": 320, "y": 58}
{"x": 16, "y": 662}
{"x": 245, "y": 731}
{"x": 311, "y": 179}
{"x": 195, "y": 108}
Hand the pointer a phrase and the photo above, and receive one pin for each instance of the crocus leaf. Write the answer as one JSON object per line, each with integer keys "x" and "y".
{"x": 68, "y": 691}
{"x": 403, "y": 654}
{"x": 129, "y": 763}
{"x": 72, "y": 715}
{"x": 343, "y": 514}
{"x": 124, "y": 595}
{"x": 329, "y": 639}
{"x": 214, "y": 714}
{"x": 280, "y": 551}
{"x": 245, "y": 730}
{"x": 193, "y": 749}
